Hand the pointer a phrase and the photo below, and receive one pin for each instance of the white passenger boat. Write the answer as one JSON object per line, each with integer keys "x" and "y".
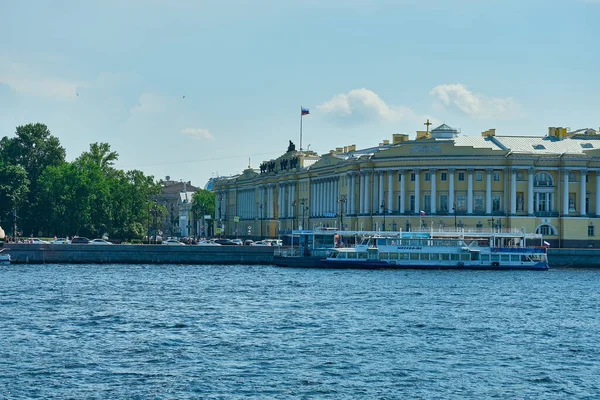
{"x": 442, "y": 250}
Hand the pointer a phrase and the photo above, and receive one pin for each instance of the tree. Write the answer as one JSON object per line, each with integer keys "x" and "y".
{"x": 100, "y": 155}
{"x": 203, "y": 203}
{"x": 13, "y": 189}
{"x": 34, "y": 149}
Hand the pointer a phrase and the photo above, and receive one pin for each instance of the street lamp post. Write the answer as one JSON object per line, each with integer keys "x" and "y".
{"x": 260, "y": 207}
{"x": 342, "y": 203}
{"x": 220, "y": 215}
{"x": 383, "y": 211}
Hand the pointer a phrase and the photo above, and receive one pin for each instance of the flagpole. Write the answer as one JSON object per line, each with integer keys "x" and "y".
{"x": 301, "y": 128}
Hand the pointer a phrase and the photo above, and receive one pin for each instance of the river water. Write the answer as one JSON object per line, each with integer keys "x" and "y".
{"x": 227, "y": 332}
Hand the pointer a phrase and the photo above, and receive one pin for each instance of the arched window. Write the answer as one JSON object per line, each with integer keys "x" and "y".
{"x": 546, "y": 229}
{"x": 543, "y": 179}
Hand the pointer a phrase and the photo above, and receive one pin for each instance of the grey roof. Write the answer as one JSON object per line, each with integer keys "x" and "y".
{"x": 549, "y": 145}
{"x": 443, "y": 128}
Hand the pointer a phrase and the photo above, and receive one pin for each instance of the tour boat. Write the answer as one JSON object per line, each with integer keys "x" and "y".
{"x": 499, "y": 249}
{"x": 430, "y": 251}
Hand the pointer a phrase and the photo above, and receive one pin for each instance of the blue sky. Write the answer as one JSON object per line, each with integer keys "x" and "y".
{"x": 104, "y": 71}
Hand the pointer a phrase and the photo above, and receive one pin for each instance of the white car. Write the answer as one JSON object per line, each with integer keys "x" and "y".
{"x": 36, "y": 241}
{"x": 61, "y": 241}
{"x": 173, "y": 242}
{"x": 99, "y": 241}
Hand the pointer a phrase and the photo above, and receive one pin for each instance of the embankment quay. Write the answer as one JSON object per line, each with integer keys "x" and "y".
{"x": 226, "y": 255}
{"x": 137, "y": 254}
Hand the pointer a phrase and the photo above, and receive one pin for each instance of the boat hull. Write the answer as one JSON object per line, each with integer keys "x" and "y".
{"x": 365, "y": 264}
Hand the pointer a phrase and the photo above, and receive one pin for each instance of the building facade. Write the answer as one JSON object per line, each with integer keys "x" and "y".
{"x": 441, "y": 180}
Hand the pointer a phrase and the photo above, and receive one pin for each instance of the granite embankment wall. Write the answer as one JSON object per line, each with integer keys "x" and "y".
{"x": 157, "y": 254}
{"x": 137, "y": 254}
{"x": 574, "y": 258}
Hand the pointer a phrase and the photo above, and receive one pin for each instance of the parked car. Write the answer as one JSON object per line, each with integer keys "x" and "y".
{"x": 238, "y": 242}
{"x": 208, "y": 243}
{"x": 36, "y": 241}
{"x": 225, "y": 242}
{"x": 99, "y": 241}
{"x": 261, "y": 243}
{"x": 80, "y": 240}
{"x": 173, "y": 242}
{"x": 61, "y": 241}
{"x": 248, "y": 242}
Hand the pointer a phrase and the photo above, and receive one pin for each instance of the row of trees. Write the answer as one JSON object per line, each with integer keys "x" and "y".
{"x": 44, "y": 195}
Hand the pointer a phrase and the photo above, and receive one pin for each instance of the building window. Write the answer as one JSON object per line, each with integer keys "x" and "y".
{"x": 412, "y": 176}
{"x": 478, "y": 203}
{"x": 587, "y": 205}
{"x": 461, "y": 176}
{"x": 427, "y": 203}
{"x": 590, "y": 230}
{"x": 479, "y": 176}
{"x": 444, "y": 202}
{"x": 412, "y": 203}
{"x": 496, "y": 176}
{"x": 461, "y": 202}
{"x": 587, "y": 178}
{"x": 543, "y": 179}
{"x": 496, "y": 201}
{"x": 400, "y": 177}
{"x": 427, "y": 176}
{"x": 399, "y": 202}
{"x": 546, "y": 230}
{"x": 444, "y": 176}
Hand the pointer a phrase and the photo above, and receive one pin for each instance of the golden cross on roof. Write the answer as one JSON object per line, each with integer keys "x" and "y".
{"x": 427, "y": 125}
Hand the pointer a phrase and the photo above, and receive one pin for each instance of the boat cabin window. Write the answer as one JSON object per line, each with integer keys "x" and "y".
{"x": 505, "y": 257}
{"x": 485, "y": 257}
{"x": 414, "y": 256}
{"x": 454, "y": 257}
{"x": 362, "y": 255}
{"x": 424, "y": 257}
{"x": 465, "y": 257}
{"x": 474, "y": 256}
{"x": 384, "y": 256}
{"x": 445, "y": 257}
{"x": 515, "y": 258}
{"x": 434, "y": 256}
{"x": 394, "y": 256}
{"x": 351, "y": 255}
{"x": 495, "y": 257}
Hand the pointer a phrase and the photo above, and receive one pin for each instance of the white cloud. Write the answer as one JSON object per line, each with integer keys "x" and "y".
{"x": 362, "y": 105}
{"x": 197, "y": 133}
{"x": 474, "y": 105}
{"x": 26, "y": 80}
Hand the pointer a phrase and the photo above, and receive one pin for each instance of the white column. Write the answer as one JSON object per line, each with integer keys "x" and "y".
{"x": 470, "y": 191}
{"x": 530, "y": 189}
{"x": 353, "y": 193}
{"x": 320, "y": 198}
{"x": 488, "y": 190}
{"x": 513, "y": 191}
{"x": 433, "y": 191}
{"x": 367, "y": 193}
{"x": 582, "y": 194}
{"x": 362, "y": 193}
{"x": 390, "y": 199}
{"x": 417, "y": 191}
{"x": 451, "y": 197}
{"x": 402, "y": 190}
{"x": 566, "y": 192}
{"x": 381, "y": 194}
{"x": 537, "y": 201}
{"x": 311, "y": 208}
{"x": 348, "y": 209}
{"x": 597, "y": 193}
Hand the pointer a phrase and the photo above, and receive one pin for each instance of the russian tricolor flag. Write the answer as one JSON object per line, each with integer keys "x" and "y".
{"x": 422, "y": 213}
{"x": 304, "y": 111}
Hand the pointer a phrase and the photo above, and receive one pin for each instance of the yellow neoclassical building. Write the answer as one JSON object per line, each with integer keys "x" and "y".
{"x": 441, "y": 180}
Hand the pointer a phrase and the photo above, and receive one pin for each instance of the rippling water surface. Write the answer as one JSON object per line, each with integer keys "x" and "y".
{"x": 223, "y": 332}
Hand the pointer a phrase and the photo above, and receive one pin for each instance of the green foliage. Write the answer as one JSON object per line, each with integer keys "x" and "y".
{"x": 86, "y": 197}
